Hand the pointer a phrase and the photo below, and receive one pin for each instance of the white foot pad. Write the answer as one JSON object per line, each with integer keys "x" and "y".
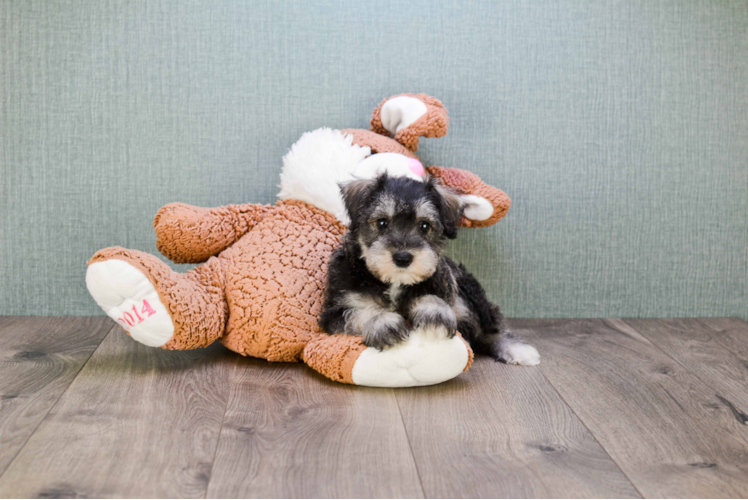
{"x": 421, "y": 360}
{"x": 129, "y": 298}
{"x": 522, "y": 354}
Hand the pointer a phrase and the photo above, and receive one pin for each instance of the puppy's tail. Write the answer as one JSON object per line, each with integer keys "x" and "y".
{"x": 512, "y": 350}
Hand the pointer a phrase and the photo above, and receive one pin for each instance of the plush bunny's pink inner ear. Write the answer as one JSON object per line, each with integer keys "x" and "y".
{"x": 396, "y": 165}
{"x": 416, "y": 167}
{"x": 476, "y": 207}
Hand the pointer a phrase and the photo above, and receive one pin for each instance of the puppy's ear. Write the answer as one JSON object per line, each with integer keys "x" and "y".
{"x": 357, "y": 192}
{"x": 451, "y": 208}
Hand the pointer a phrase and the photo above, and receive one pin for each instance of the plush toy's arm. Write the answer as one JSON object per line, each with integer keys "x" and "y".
{"x": 420, "y": 360}
{"x": 189, "y": 234}
{"x": 484, "y": 205}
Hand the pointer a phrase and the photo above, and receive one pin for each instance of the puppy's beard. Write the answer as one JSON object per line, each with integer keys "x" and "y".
{"x": 378, "y": 260}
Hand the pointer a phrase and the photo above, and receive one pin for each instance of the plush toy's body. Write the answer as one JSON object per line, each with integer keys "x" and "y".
{"x": 259, "y": 289}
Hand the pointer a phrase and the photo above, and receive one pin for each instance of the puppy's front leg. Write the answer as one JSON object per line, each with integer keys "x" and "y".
{"x": 431, "y": 313}
{"x": 360, "y": 314}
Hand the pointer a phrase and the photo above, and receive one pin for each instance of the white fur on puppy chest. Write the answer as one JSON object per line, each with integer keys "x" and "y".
{"x": 127, "y": 296}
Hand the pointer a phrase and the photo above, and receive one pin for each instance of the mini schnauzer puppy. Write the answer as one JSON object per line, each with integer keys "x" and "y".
{"x": 389, "y": 274}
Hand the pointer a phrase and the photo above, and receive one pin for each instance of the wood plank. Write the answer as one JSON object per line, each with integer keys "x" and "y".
{"x": 289, "y": 432}
{"x": 718, "y": 356}
{"x": 503, "y": 431}
{"x": 667, "y": 430}
{"x": 136, "y": 422}
{"x": 39, "y": 358}
{"x": 733, "y": 335}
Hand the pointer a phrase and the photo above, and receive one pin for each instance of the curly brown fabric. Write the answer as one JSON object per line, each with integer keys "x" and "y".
{"x": 464, "y": 182}
{"x": 189, "y": 234}
{"x": 275, "y": 276}
{"x": 470, "y": 353}
{"x": 432, "y": 124}
{"x": 334, "y": 356}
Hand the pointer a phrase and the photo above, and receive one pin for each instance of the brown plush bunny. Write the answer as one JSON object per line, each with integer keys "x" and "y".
{"x": 260, "y": 287}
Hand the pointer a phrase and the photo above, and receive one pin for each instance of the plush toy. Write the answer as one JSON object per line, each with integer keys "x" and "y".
{"x": 260, "y": 287}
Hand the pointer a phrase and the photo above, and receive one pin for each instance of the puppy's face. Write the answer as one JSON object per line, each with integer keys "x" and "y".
{"x": 400, "y": 225}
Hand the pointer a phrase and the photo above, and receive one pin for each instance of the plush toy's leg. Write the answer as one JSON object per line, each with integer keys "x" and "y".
{"x": 420, "y": 360}
{"x": 155, "y": 305}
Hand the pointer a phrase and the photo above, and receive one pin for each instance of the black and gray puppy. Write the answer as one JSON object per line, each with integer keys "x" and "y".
{"x": 390, "y": 274}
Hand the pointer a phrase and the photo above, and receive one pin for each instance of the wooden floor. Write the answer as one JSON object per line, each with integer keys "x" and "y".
{"x": 634, "y": 408}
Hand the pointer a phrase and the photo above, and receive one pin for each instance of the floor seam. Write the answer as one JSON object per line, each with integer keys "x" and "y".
{"x": 717, "y": 393}
{"x": 220, "y": 429}
{"x": 410, "y": 445}
{"x": 52, "y": 407}
{"x": 581, "y": 420}
{"x": 717, "y": 337}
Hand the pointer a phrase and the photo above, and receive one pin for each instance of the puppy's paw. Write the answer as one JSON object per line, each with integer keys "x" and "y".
{"x": 431, "y": 314}
{"x": 385, "y": 329}
{"x": 438, "y": 327}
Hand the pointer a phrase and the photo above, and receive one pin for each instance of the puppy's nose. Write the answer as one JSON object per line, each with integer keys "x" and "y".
{"x": 402, "y": 259}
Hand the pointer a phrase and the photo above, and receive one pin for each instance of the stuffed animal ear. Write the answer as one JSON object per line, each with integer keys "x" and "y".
{"x": 484, "y": 205}
{"x": 406, "y": 117}
{"x": 477, "y": 208}
{"x": 450, "y": 207}
{"x": 356, "y": 192}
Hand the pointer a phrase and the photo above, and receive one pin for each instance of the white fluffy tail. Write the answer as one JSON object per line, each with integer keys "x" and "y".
{"x": 316, "y": 164}
{"x": 513, "y": 350}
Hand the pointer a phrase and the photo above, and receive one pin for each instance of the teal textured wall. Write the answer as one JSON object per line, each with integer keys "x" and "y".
{"x": 619, "y": 129}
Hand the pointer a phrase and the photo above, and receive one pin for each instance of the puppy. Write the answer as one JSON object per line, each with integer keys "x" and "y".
{"x": 390, "y": 274}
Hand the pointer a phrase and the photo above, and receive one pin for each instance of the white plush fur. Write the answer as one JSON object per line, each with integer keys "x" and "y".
{"x": 117, "y": 287}
{"x": 422, "y": 359}
{"x": 401, "y": 112}
{"x": 316, "y": 164}
{"x": 476, "y": 207}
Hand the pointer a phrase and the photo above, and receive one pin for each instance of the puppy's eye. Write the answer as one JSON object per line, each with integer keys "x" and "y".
{"x": 382, "y": 224}
{"x": 424, "y": 227}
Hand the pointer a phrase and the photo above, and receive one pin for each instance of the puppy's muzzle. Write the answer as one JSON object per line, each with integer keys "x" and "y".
{"x": 402, "y": 259}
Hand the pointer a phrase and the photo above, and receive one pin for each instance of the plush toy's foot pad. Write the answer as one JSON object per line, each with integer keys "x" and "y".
{"x": 421, "y": 360}
{"x": 128, "y": 297}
